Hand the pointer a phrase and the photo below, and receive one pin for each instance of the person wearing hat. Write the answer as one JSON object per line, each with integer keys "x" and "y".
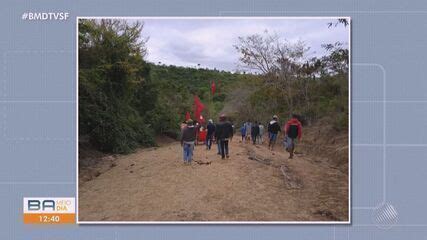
{"x": 273, "y": 130}
{"x": 224, "y": 133}
{"x": 188, "y": 137}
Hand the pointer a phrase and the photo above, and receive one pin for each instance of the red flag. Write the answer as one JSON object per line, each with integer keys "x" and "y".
{"x": 198, "y": 107}
{"x": 187, "y": 116}
{"x": 213, "y": 87}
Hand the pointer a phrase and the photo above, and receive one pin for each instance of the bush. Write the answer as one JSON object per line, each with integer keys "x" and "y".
{"x": 114, "y": 88}
{"x": 121, "y": 134}
{"x": 341, "y": 122}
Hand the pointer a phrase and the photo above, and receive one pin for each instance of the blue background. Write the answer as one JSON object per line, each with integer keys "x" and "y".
{"x": 389, "y": 115}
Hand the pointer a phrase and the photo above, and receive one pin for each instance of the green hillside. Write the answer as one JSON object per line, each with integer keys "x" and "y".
{"x": 124, "y": 101}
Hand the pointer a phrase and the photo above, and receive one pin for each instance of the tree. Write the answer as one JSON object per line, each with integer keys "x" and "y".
{"x": 339, "y": 21}
{"x": 113, "y": 81}
{"x": 278, "y": 60}
{"x": 293, "y": 83}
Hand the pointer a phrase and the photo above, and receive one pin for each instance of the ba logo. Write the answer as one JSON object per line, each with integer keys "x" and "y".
{"x": 49, "y": 210}
{"x": 37, "y": 205}
{"x": 49, "y": 205}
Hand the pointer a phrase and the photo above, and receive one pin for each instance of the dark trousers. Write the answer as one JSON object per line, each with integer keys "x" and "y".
{"x": 254, "y": 137}
{"x": 209, "y": 140}
{"x": 224, "y": 147}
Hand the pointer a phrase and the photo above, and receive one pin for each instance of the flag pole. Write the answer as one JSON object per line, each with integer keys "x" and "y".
{"x": 211, "y": 100}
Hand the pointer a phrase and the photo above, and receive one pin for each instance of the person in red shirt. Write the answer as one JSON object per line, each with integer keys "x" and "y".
{"x": 293, "y": 131}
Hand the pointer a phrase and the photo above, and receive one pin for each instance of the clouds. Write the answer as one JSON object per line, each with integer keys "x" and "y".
{"x": 209, "y": 42}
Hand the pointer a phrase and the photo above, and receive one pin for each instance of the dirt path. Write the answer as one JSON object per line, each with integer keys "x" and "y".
{"x": 154, "y": 185}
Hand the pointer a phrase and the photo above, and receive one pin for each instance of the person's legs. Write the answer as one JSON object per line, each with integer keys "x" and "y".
{"x": 185, "y": 152}
{"x": 208, "y": 142}
{"x": 226, "y": 148}
{"x": 190, "y": 153}
{"x": 286, "y": 143}
{"x": 273, "y": 140}
{"x": 218, "y": 146}
{"x": 291, "y": 147}
{"x": 291, "y": 152}
{"x": 222, "y": 147}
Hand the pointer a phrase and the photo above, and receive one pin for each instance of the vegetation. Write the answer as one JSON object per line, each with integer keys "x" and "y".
{"x": 290, "y": 83}
{"x": 178, "y": 85}
{"x": 124, "y": 101}
{"x": 114, "y": 86}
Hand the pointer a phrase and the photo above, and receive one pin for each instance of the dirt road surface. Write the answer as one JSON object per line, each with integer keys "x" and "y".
{"x": 254, "y": 184}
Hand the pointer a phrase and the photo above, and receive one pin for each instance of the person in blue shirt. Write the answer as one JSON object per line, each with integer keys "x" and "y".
{"x": 243, "y": 132}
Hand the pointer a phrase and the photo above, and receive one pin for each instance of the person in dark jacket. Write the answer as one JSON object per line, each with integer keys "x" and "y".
{"x": 210, "y": 134}
{"x": 255, "y": 132}
{"x": 224, "y": 134}
{"x": 273, "y": 130}
{"x": 188, "y": 137}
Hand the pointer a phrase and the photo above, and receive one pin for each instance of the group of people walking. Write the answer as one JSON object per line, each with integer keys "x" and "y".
{"x": 222, "y": 133}
{"x": 254, "y": 132}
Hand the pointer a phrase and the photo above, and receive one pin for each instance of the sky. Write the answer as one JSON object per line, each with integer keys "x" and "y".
{"x": 209, "y": 42}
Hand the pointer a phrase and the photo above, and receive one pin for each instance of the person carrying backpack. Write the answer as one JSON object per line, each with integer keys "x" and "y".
{"x": 273, "y": 130}
{"x": 293, "y": 130}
